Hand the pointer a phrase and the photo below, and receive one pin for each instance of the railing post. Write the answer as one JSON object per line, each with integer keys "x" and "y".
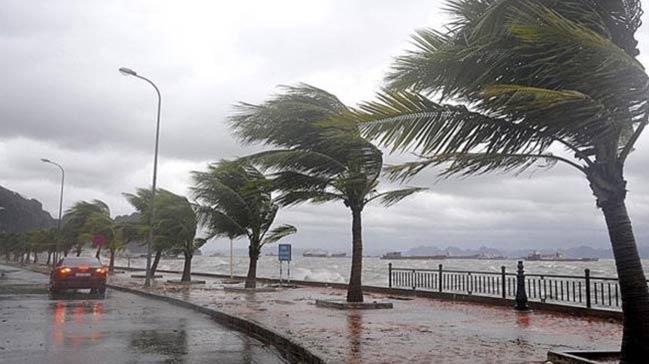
{"x": 414, "y": 282}
{"x": 521, "y": 295}
{"x": 390, "y": 275}
{"x": 503, "y": 277}
{"x": 587, "y": 273}
{"x": 469, "y": 283}
{"x": 440, "y": 278}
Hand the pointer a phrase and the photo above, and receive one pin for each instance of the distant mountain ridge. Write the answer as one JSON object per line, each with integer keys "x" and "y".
{"x": 18, "y": 214}
{"x": 581, "y": 251}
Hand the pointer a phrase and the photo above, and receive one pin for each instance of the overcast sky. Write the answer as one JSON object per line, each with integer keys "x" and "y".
{"x": 61, "y": 97}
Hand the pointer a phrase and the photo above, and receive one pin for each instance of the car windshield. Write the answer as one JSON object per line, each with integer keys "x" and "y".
{"x": 76, "y": 262}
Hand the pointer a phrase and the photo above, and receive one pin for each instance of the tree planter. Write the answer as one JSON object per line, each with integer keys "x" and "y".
{"x": 584, "y": 357}
{"x": 344, "y": 305}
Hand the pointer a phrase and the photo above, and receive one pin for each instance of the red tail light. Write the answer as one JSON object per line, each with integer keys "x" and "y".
{"x": 101, "y": 270}
{"x": 64, "y": 270}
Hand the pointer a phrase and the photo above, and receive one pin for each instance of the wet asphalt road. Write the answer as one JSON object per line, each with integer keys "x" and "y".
{"x": 122, "y": 328}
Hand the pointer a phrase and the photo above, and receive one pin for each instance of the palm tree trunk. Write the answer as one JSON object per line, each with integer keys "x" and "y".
{"x": 111, "y": 264}
{"x": 187, "y": 268}
{"x": 633, "y": 284}
{"x": 156, "y": 260}
{"x": 355, "y": 290}
{"x": 98, "y": 252}
{"x": 79, "y": 248}
{"x": 49, "y": 257}
{"x": 251, "y": 278}
{"x": 35, "y": 257}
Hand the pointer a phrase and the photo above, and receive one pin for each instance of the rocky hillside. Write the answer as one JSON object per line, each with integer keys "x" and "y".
{"x": 18, "y": 214}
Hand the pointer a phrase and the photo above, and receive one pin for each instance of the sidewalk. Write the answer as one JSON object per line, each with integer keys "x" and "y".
{"x": 417, "y": 330}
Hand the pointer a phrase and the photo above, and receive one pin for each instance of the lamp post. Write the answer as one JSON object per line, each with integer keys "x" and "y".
{"x": 130, "y": 72}
{"x": 58, "y": 228}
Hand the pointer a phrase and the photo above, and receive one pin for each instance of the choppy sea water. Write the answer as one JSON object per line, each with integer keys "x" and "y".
{"x": 375, "y": 270}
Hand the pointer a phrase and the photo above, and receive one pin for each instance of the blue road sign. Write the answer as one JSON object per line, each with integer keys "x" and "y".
{"x": 284, "y": 253}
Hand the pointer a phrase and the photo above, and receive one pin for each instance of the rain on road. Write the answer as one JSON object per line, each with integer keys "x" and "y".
{"x": 122, "y": 328}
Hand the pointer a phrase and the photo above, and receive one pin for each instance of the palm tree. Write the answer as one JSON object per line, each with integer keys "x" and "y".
{"x": 522, "y": 82}
{"x": 92, "y": 219}
{"x": 42, "y": 240}
{"x": 174, "y": 226}
{"x": 141, "y": 200}
{"x": 79, "y": 221}
{"x": 321, "y": 157}
{"x": 235, "y": 201}
{"x": 176, "y": 223}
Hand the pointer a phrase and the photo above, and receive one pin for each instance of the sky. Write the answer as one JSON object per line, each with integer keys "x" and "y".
{"x": 62, "y": 98}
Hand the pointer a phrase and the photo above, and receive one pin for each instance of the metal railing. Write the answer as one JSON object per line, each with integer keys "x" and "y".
{"x": 586, "y": 290}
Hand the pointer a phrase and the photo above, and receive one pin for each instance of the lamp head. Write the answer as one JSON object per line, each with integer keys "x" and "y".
{"x": 45, "y": 160}
{"x": 127, "y": 71}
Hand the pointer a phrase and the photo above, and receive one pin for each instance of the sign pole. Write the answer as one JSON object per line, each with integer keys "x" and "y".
{"x": 284, "y": 255}
{"x": 231, "y": 260}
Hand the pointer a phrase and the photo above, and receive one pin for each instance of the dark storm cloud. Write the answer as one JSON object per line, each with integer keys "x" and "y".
{"x": 61, "y": 97}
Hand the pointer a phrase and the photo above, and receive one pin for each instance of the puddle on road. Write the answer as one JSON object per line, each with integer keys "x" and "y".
{"x": 20, "y": 289}
{"x": 170, "y": 343}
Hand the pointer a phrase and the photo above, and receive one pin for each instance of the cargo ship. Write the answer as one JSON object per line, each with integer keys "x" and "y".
{"x": 322, "y": 254}
{"x": 557, "y": 257}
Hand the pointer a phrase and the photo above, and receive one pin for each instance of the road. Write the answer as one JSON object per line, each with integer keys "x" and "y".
{"x": 122, "y": 328}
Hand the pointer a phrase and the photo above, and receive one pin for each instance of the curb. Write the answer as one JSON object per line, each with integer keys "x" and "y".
{"x": 292, "y": 351}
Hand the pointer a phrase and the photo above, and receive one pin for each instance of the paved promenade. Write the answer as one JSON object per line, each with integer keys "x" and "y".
{"x": 417, "y": 330}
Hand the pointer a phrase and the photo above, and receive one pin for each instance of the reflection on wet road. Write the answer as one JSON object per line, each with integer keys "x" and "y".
{"x": 122, "y": 328}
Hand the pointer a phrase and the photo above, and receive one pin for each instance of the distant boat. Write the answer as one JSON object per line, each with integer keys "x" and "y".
{"x": 557, "y": 257}
{"x": 315, "y": 254}
{"x": 397, "y": 255}
{"x": 322, "y": 254}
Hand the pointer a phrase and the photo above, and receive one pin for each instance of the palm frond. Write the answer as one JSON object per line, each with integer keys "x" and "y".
{"x": 541, "y": 26}
{"x": 467, "y": 164}
{"x": 290, "y": 180}
{"x": 390, "y": 198}
{"x": 296, "y": 197}
{"x": 555, "y": 46}
{"x": 279, "y": 233}
{"x": 218, "y": 223}
{"x": 569, "y": 114}
{"x": 410, "y": 121}
{"x": 306, "y": 161}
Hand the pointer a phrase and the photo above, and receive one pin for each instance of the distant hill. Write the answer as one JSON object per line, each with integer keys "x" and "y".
{"x": 18, "y": 214}
{"x": 581, "y": 251}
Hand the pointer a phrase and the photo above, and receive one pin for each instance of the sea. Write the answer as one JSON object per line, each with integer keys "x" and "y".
{"x": 375, "y": 270}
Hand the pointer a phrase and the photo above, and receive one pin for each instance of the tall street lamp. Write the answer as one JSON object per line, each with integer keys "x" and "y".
{"x": 45, "y": 160}
{"x": 129, "y": 72}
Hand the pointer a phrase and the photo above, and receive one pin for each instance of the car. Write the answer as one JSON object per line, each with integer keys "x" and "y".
{"x": 78, "y": 273}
